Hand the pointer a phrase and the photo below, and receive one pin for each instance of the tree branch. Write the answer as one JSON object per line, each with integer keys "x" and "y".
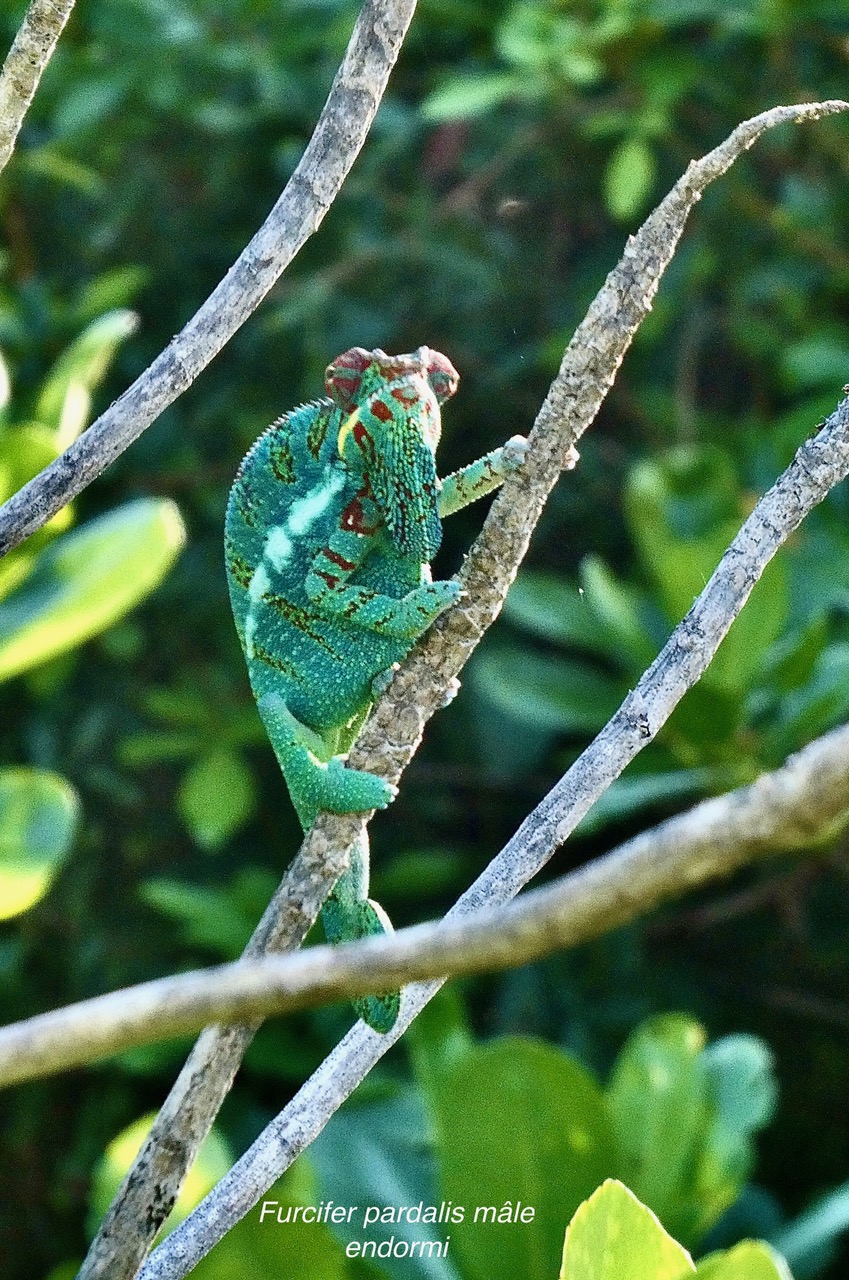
{"x": 393, "y": 731}
{"x": 792, "y": 808}
{"x": 820, "y": 464}
{"x": 32, "y": 49}
{"x": 340, "y": 133}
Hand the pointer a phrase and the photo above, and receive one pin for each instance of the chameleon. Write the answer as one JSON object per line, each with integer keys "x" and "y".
{"x": 332, "y": 521}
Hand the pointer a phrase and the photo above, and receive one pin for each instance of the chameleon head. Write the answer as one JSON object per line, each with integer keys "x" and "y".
{"x": 390, "y": 432}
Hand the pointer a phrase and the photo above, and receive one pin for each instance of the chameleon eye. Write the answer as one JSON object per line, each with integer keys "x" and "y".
{"x": 343, "y": 378}
{"x": 442, "y": 376}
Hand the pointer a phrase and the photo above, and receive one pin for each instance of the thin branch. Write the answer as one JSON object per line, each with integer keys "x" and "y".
{"x": 790, "y": 809}
{"x": 32, "y": 49}
{"x": 340, "y": 133}
{"x": 393, "y": 731}
{"x": 820, "y": 464}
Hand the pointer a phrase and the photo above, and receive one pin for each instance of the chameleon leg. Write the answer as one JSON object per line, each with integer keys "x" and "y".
{"x": 481, "y": 477}
{"x": 349, "y": 913}
{"x": 316, "y": 784}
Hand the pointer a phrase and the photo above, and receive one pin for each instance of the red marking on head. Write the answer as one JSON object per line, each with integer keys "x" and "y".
{"x": 335, "y": 558}
{"x": 380, "y": 410}
{"x": 332, "y": 582}
{"x": 405, "y": 395}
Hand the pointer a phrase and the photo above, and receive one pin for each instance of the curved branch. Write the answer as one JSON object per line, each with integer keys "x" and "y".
{"x": 32, "y": 49}
{"x": 334, "y": 146}
{"x": 792, "y": 808}
{"x": 820, "y": 463}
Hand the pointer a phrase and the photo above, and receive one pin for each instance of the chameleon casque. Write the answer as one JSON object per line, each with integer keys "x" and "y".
{"x": 332, "y": 521}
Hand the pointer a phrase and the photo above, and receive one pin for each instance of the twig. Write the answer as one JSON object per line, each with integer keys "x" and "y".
{"x": 392, "y": 733}
{"x": 819, "y": 464}
{"x": 30, "y": 53}
{"x": 340, "y": 133}
{"x": 790, "y": 809}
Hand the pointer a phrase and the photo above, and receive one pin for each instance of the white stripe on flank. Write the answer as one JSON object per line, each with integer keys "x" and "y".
{"x": 278, "y": 547}
{"x": 280, "y": 544}
{"x": 306, "y": 510}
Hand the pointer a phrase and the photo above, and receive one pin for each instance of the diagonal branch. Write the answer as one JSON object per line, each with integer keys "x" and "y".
{"x": 393, "y": 732}
{"x": 32, "y": 49}
{"x": 334, "y": 146}
{"x": 797, "y": 806}
{"x": 820, "y": 464}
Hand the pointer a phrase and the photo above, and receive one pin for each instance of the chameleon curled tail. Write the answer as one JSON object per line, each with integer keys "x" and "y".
{"x": 332, "y": 521}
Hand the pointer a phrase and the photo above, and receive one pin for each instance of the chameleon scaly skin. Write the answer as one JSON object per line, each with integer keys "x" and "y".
{"x": 333, "y": 518}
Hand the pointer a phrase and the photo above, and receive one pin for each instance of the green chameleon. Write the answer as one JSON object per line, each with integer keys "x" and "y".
{"x": 332, "y": 521}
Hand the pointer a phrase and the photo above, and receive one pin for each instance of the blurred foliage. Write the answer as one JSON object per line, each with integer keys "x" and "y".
{"x": 519, "y": 143}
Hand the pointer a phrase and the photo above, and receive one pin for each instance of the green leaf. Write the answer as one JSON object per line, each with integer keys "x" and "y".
{"x": 816, "y": 361}
{"x": 39, "y": 815}
{"x": 613, "y": 1236}
{"x": 553, "y": 609}
{"x": 217, "y": 797}
{"x": 749, "y": 1260}
{"x": 25, "y": 450}
{"x": 468, "y": 96}
{"x": 622, "y": 610}
{"x": 685, "y": 1114}
{"x": 219, "y": 918}
{"x": 65, "y": 400}
{"x": 212, "y": 1162}
{"x": 683, "y": 510}
{"x": 377, "y": 1153}
{"x": 517, "y": 1121}
{"x": 629, "y": 179}
{"x": 660, "y": 1107}
{"x": 742, "y": 1083}
{"x": 87, "y": 579}
{"x": 743, "y": 1092}
{"x": 546, "y": 692}
{"x": 818, "y": 705}
{"x": 809, "y": 1240}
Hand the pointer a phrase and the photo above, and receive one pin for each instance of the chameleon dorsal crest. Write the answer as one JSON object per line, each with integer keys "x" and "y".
{"x": 333, "y": 518}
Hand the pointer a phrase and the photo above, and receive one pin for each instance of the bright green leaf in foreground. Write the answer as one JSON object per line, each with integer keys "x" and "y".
{"x": 39, "y": 812}
{"x": 86, "y": 580}
{"x": 613, "y": 1236}
{"x": 751, "y": 1260}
